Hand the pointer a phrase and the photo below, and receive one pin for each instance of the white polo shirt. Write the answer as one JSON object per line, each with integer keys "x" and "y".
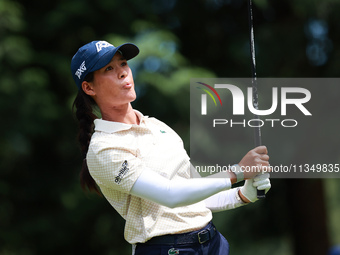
{"x": 117, "y": 155}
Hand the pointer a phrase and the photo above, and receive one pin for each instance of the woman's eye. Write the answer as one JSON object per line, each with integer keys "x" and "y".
{"x": 108, "y": 68}
{"x": 124, "y": 63}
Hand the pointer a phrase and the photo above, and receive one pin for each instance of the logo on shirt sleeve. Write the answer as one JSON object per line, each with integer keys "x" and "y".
{"x": 122, "y": 171}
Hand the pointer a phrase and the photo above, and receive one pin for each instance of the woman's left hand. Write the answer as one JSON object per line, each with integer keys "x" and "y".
{"x": 250, "y": 187}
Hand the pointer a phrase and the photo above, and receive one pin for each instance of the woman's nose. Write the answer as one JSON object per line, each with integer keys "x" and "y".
{"x": 123, "y": 74}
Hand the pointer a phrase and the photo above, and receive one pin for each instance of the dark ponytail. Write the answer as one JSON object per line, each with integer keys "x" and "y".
{"x": 84, "y": 105}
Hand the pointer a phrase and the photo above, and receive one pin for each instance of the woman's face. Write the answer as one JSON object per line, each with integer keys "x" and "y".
{"x": 113, "y": 85}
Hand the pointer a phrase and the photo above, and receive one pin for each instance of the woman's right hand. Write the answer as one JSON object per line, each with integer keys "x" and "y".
{"x": 254, "y": 162}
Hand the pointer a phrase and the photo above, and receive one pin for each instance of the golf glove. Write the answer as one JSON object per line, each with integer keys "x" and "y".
{"x": 250, "y": 187}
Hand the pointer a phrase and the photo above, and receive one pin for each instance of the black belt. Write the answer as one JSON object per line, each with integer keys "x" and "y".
{"x": 199, "y": 236}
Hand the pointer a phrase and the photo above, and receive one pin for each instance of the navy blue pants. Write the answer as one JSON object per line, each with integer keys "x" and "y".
{"x": 218, "y": 245}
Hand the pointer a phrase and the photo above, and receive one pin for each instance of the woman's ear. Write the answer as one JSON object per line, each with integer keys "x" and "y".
{"x": 88, "y": 88}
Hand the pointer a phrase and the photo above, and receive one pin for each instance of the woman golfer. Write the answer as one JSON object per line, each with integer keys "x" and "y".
{"x": 141, "y": 167}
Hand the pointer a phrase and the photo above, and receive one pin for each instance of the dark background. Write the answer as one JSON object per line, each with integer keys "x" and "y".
{"x": 42, "y": 208}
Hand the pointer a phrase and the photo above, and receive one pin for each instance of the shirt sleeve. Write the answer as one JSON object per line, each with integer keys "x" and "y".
{"x": 176, "y": 193}
{"x": 116, "y": 168}
{"x": 224, "y": 200}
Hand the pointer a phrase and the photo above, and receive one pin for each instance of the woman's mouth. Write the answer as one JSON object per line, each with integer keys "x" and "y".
{"x": 127, "y": 86}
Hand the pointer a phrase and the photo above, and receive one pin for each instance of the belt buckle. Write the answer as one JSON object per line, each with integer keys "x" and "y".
{"x": 203, "y": 232}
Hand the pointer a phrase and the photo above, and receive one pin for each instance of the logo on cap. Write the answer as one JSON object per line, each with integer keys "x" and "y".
{"x": 81, "y": 69}
{"x": 102, "y": 44}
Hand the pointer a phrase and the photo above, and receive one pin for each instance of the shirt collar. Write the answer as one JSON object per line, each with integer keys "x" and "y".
{"x": 112, "y": 127}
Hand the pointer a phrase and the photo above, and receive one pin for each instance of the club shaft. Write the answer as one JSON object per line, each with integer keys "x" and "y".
{"x": 257, "y": 129}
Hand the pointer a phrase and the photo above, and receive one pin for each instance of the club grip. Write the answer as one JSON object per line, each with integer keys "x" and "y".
{"x": 261, "y": 194}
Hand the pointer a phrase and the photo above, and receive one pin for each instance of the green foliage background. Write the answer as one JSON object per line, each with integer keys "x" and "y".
{"x": 43, "y": 210}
